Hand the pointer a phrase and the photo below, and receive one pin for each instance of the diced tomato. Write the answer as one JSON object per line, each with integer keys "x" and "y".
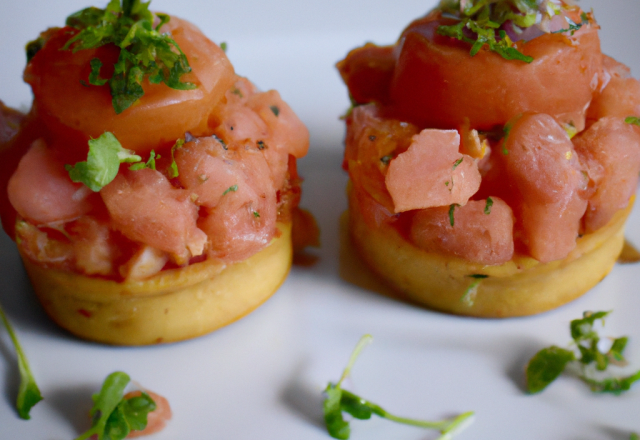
{"x": 610, "y": 149}
{"x": 480, "y": 233}
{"x": 548, "y": 186}
{"x": 432, "y": 172}
{"x": 41, "y": 191}
{"x": 146, "y": 208}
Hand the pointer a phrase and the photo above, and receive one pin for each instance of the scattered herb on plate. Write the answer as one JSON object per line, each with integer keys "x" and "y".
{"x": 547, "y": 365}
{"x": 338, "y": 400}
{"x": 113, "y": 416}
{"x": 28, "y": 392}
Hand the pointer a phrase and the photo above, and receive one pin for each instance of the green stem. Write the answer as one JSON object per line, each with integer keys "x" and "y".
{"x": 28, "y": 393}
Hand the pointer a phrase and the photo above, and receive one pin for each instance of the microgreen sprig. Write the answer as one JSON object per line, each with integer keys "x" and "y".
{"x": 144, "y": 51}
{"x": 113, "y": 416}
{"x": 550, "y": 362}
{"x": 338, "y": 400}
{"x": 28, "y": 392}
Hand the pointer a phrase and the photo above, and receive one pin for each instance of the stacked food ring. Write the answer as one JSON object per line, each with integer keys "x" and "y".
{"x": 493, "y": 157}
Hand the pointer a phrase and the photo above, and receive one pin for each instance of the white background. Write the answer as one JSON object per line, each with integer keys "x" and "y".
{"x": 261, "y": 378}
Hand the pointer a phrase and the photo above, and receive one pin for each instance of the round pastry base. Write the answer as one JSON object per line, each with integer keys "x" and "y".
{"x": 520, "y": 287}
{"x": 171, "y": 306}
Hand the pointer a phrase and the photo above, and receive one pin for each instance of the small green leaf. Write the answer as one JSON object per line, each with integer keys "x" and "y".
{"x": 488, "y": 205}
{"x": 452, "y": 208}
{"x": 28, "y": 391}
{"x": 103, "y": 162}
{"x": 94, "y": 76}
{"x": 617, "y": 349}
{"x": 457, "y": 162}
{"x": 634, "y": 120}
{"x": 614, "y": 385}
{"x": 223, "y": 46}
{"x": 233, "y": 188}
{"x": 275, "y": 110}
{"x": 151, "y": 163}
{"x": 173, "y": 168}
{"x": 336, "y": 425}
{"x": 104, "y": 403}
{"x": 136, "y": 410}
{"x": 546, "y": 366}
{"x": 256, "y": 214}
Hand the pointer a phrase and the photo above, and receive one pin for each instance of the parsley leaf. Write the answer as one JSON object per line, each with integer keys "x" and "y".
{"x": 103, "y": 162}
{"x": 144, "y": 51}
{"x": 338, "y": 400}
{"x": 28, "y": 392}
{"x": 550, "y": 362}
{"x": 113, "y": 416}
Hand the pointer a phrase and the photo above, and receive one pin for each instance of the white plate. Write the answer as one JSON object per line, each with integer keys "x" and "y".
{"x": 261, "y": 378}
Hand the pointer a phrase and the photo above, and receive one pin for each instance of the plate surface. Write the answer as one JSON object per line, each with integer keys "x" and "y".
{"x": 262, "y": 377}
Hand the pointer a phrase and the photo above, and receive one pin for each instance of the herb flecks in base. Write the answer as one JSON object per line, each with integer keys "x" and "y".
{"x": 547, "y": 365}
{"x": 338, "y": 400}
{"x": 28, "y": 393}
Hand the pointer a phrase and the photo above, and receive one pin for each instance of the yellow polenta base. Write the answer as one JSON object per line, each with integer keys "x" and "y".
{"x": 520, "y": 287}
{"x": 171, "y": 306}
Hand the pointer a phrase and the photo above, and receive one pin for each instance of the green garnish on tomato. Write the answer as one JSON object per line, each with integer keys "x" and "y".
{"x": 145, "y": 53}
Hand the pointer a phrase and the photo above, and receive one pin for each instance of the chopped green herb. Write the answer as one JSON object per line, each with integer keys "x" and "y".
{"x": 173, "y": 168}
{"x": 457, "y": 162}
{"x": 33, "y": 47}
{"x": 573, "y": 27}
{"x": 144, "y": 51}
{"x": 28, "y": 392}
{"x": 94, "y": 76}
{"x": 223, "y": 46}
{"x": 483, "y": 18}
{"x": 550, "y": 362}
{"x": 634, "y": 120}
{"x": 452, "y": 208}
{"x": 256, "y": 214}
{"x": 103, "y": 162}
{"x": 386, "y": 159}
{"x": 338, "y": 400}
{"x": 233, "y": 188}
{"x": 113, "y": 416}
{"x": 488, "y": 205}
{"x": 261, "y": 145}
{"x": 236, "y": 91}
{"x": 151, "y": 163}
{"x": 275, "y": 110}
